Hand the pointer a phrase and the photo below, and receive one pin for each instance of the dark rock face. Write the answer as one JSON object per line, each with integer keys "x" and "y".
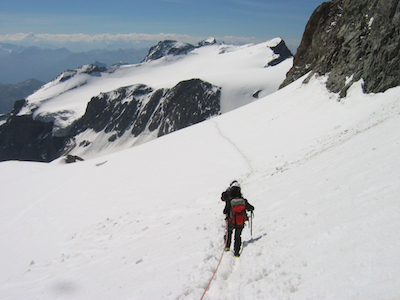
{"x": 139, "y": 108}
{"x": 188, "y": 103}
{"x": 22, "y": 138}
{"x": 351, "y": 40}
{"x": 113, "y": 111}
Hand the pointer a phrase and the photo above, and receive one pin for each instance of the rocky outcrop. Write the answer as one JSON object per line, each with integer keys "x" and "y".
{"x": 350, "y": 40}
{"x": 282, "y": 52}
{"x": 69, "y": 159}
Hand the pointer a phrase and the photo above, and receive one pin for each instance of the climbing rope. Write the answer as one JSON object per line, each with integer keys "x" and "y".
{"x": 223, "y": 251}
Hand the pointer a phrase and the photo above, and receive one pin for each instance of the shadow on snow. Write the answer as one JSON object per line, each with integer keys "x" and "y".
{"x": 245, "y": 243}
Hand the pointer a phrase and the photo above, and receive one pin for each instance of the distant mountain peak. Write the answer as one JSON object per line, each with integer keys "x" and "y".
{"x": 167, "y": 47}
{"x": 171, "y": 47}
{"x": 206, "y": 42}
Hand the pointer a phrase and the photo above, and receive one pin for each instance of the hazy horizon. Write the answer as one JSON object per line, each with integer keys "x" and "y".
{"x": 80, "y": 26}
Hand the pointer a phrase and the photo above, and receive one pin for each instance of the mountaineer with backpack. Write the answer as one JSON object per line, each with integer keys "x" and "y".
{"x": 235, "y": 211}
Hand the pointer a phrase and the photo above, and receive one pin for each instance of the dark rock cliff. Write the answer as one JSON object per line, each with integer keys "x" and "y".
{"x": 351, "y": 40}
{"x": 139, "y": 108}
{"x": 22, "y": 138}
{"x": 188, "y": 103}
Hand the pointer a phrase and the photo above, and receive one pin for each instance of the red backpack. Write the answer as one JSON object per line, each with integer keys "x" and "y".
{"x": 238, "y": 214}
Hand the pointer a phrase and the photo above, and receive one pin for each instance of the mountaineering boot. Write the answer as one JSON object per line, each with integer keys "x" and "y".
{"x": 227, "y": 249}
{"x": 237, "y": 254}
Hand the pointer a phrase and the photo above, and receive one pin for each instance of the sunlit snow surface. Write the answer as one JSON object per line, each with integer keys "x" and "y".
{"x": 147, "y": 222}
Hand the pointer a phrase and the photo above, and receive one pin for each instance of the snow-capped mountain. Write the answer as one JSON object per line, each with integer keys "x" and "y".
{"x": 168, "y": 47}
{"x": 153, "y": 96}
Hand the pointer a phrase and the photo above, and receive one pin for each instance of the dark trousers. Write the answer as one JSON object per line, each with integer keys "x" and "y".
{"x": 238, "y": 236}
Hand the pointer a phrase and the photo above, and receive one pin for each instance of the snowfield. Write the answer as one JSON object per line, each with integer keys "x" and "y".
{"x": 147, "y": 222}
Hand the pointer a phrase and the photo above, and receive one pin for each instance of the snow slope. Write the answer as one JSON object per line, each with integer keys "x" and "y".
{"x": 240, "y": 70}
{"x": 147, "y": 222}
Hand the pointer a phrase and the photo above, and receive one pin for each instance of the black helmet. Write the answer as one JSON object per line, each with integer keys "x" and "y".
{"x": 235, "y": 192}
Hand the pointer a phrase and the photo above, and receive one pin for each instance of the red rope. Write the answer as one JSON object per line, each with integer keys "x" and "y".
{"x": 223, "y": 251}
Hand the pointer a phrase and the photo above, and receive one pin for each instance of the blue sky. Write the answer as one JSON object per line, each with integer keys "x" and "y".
{"x": 235, "y": 20}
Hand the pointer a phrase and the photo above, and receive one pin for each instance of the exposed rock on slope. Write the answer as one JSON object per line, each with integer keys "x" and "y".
{"x": 351, "y": 40}
{"x": 282, "y": 52}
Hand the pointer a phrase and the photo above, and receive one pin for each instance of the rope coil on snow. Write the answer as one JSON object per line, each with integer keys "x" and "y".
{"x": 223, "y": 251}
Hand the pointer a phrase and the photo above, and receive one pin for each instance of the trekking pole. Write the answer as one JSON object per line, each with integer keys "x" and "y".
{"x": 251, "y": 224}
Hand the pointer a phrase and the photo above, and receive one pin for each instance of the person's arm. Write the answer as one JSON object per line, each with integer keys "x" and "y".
{"x": 248, "y": 206}
{"x": 225, "y": 196}
{"x": 227, "y": 207}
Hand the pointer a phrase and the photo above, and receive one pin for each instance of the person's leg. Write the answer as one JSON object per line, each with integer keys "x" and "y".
{"x": 229, "y": 237}
{"x": 238, "y": 239}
